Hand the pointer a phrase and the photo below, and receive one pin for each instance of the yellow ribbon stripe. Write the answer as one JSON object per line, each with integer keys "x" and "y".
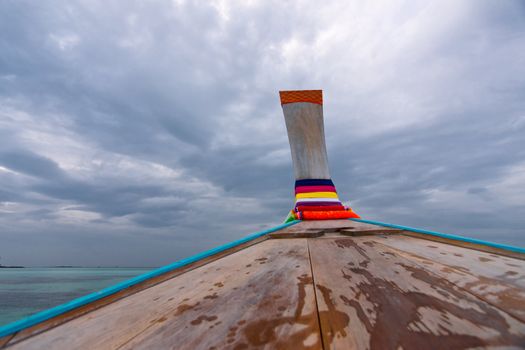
{"x": 316, "y": 195}
{"x": 301, "y": 200}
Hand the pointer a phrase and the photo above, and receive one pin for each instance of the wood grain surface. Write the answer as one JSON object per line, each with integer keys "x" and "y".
{"x": 469, "y": 245}
{"x": 305, "y": 127}
{"x": 497, "y": 279}
{"x": 260, "y": 297}
{"x": 330, "y": 227}
{"x": 489, "y": 265}
{"x": 372, "y": 297}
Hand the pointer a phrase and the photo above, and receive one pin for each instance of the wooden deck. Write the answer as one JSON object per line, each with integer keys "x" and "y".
{"x": 314, "y": 285}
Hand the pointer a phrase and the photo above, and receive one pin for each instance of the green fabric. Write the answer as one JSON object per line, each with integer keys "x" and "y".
{"x": 289, "y": 218}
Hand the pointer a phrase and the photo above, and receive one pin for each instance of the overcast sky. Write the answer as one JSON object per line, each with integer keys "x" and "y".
{"x": 135, "y": 133}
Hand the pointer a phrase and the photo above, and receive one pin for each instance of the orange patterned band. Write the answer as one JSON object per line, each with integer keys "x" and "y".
{"x": 312, "y": 96}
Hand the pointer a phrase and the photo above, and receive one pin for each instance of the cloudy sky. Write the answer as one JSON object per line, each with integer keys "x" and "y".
{"x": 135, "y": 133}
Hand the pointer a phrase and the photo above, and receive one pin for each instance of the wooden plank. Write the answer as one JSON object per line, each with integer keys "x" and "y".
{"x": 496, "y": 279}
{"x": 371, "y": 297}
{"x": 493, "y": 266}
{"x": 304, "y": 124}
{"x": 60, "y": 319}
{"x": 469, "y": 245}
{"x": 261, "y": 296}
{"x": 300, "y": 234}
{"x": 318, "y": 225}
{"x": 317, "y": 228}
{"x": 331, "y": 224}
{"x": 5, "y": 340}
{"x": 367, "y": 232}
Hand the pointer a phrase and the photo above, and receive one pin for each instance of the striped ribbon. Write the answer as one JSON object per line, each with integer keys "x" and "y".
{"x": 317, "y": 199}
{"x": 317, "y": 191}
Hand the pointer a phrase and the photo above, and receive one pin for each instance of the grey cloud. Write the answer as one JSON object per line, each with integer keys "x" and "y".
{"x": 173, "y": 131}
{"x": 31, "y": 164}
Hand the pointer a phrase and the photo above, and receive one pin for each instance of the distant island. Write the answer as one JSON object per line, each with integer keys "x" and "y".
{"x": 11, "y": 267}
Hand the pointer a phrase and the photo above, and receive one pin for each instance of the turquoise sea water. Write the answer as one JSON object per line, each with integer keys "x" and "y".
{"x": 29, "y": 290}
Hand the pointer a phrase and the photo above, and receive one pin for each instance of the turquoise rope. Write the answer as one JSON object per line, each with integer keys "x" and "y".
{"x": 60, "y": 309}
{"x": 446, "y": 235}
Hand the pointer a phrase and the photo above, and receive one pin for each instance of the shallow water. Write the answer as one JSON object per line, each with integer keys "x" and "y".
{"x": 29, "y": 290}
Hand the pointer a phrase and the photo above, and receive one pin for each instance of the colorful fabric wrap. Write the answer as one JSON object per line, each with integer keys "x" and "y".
{"x": 317, "y": 199}
{"x": 326, "y": 215}
{"x": 319, "y": 208}
{"x": 318, "y": 191}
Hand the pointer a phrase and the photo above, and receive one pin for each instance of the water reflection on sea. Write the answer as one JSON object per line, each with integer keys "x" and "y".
{"x": 28, "y": 290}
